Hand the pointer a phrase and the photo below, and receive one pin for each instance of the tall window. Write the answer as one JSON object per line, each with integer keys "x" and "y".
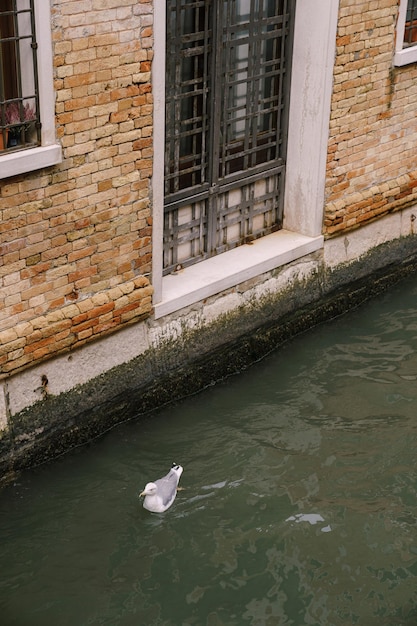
{"x": 19, "y": 102}
{"x": 227, "y": 83}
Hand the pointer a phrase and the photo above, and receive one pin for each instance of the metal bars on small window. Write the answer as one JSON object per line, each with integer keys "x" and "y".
{"x": 227, "y": 76}
{"x": 19, "y": 97}
{"x": 410, "y": 33}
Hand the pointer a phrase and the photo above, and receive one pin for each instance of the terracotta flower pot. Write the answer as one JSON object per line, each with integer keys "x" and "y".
{"x": 4, "y": 135}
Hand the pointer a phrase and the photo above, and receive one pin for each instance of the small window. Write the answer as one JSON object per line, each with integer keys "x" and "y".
{"x": 19, "y": 102}
{"x": 406, "y": 41}
{"x": 27, "y": 100}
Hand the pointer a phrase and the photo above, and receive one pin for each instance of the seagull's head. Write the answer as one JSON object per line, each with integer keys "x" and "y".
{"x": 177, "y": 469}
{"x": 150, "y": 490}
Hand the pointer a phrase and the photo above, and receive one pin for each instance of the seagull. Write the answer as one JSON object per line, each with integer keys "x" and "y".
{"x": 161, "y": 494}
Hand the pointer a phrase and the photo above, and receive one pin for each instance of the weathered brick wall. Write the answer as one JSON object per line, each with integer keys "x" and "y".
{"x": 75, "y": 246}
{"x": 372, "y": 166}
{"x": 75, "y": 243}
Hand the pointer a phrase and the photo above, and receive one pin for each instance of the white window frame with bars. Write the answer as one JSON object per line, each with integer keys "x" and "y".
{"x": 309, "y": 114}
{"x": 49, "y": 152}
{"x": 404, "y": 54}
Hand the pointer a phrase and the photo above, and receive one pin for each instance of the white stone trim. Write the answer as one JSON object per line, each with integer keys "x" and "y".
{"x": 406, "y": 56}
{"x": 49, "y": 153}
{"x": 27, "y": 160}
{"x": 309, "y": 115}
{"x": 158, "y": 88}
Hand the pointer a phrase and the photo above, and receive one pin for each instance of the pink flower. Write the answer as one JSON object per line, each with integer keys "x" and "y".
{"x": 12, "y": 114}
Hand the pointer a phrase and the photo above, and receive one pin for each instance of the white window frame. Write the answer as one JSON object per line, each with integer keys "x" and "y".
{"x": 403, "y": 56}
{"x": 49, "y": 152}
{"x": 308, "y": 130}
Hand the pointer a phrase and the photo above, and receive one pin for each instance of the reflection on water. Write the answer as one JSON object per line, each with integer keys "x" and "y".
{"x": 299, "y": 502}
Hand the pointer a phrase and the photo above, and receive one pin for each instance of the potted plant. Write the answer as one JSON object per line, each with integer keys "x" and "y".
{"x": 18, "y": 119}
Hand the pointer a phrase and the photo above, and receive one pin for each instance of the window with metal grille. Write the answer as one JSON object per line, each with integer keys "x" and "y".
{"x": 19, "y": 100}
{"x": 227, "y": 82}
{"x": 410, "y": 32}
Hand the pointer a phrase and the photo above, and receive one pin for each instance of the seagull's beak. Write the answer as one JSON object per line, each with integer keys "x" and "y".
{"x": 142, "y": 494}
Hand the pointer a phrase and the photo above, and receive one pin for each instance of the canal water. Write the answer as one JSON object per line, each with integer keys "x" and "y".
{"x": 299, "y": 500}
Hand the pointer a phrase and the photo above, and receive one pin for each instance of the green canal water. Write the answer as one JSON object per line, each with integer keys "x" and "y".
{"x": 299, "y": 503}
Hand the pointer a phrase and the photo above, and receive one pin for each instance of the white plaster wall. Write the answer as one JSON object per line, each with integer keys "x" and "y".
{"x": 67, "y": 371}
{"x": 353, "y": 245}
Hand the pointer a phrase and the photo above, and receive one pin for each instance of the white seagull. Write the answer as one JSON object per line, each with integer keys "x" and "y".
{"x": 161, "y": 494}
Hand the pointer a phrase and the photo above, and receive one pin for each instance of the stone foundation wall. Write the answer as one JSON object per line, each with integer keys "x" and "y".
{"x": 49, "y": 408}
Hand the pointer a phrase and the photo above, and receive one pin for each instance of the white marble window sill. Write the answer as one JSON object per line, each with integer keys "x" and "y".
{"x": 405, "y": 56}
{"x": 23, "y": 161}
{"x": 226, "y": 270}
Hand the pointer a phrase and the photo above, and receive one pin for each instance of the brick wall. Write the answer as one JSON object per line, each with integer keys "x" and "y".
{"x": 372, "y": 166}
{"x": 75, "y": 247}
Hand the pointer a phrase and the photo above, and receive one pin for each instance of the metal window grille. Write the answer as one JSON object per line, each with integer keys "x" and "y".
{"x": 19, "y": 98}
{"x": 227, "y": 90}
{"x": 410, "y": 33}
